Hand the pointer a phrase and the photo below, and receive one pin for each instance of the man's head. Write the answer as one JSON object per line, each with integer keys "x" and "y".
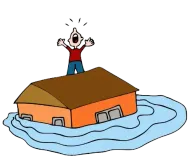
{"x": 75, "y": 38}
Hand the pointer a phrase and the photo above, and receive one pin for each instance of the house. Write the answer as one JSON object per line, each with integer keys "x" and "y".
{"x": 94, "y": 96}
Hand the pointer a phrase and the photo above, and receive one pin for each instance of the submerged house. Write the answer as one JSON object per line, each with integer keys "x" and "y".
{"x": 92, "y": 97}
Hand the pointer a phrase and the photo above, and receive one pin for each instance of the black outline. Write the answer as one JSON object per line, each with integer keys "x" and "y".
{"x": 135, "y": 89}
{"x": 79, "y": 20}
{"x": 111, "y": 126}
{"x": 107, "y": 110}
{"x": 18, "y": 111}
{"x": 71, "y": 119}
{"x": 64, "y": 106}
{"x": 52, "y": 121}
{"x": 132, "y": 128}
{"x": 137, "y": 118}
{"x": 28, "y": 115}
{"x": 114, "y": 110}
{"x": 97, "y": 120}
{"x": 92, "y": 124}
{"x": 42, "y": 104}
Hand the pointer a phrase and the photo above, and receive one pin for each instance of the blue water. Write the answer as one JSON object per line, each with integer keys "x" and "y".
{"x": 157, "y": 116}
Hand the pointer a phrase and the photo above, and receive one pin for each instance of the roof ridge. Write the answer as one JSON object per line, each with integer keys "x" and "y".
{"x": 70, "y": 75}
{"x": 76, "y": 90}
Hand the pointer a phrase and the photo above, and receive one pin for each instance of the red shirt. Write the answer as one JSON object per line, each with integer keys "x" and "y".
{"x": 75, "y": 54}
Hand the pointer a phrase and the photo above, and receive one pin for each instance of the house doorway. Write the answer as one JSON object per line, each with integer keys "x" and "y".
{"x": 109, "y": 114}
{"x": 58, "y": 121}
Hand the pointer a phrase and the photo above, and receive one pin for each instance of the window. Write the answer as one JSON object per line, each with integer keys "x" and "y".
{"x": 27, "y": 117}
{"x": 58, "y": 121}
{"x": 114, "y": 114}
{"x": 102, "y": 117}
{"x": 109, "y": 114}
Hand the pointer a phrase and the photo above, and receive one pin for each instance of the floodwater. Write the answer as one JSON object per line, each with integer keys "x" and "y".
{"x": 157, "y": 116}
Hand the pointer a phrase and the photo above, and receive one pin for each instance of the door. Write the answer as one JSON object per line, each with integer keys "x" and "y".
{"x": 102, "y": 117}
{"x": 114, "y": 114}
{"x": 59, "y": 121}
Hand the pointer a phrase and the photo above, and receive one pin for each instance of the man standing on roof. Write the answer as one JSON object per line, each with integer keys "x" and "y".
{"x": 75, "y": 61}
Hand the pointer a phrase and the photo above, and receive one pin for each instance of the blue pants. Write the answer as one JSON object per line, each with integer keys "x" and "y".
{"x": 75, "y": 65}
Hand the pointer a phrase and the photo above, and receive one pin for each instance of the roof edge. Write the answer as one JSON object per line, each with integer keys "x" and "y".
{"x": 103, "y": 99}
{"x": 117, "y": 77}
{"x": 42, "y": 105}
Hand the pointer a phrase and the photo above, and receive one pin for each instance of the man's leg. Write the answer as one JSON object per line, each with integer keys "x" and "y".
{"x": 71, "y": 68}
{"x": 79, "y": 67}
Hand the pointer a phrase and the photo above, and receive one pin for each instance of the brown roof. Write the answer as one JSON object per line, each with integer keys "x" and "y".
{"x": 76, "y": 90}
{"x": 35, "y": 95}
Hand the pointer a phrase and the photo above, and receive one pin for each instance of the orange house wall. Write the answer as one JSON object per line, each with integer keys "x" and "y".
{"x": 45, "y": 114}
{"x": 85, "y": 115}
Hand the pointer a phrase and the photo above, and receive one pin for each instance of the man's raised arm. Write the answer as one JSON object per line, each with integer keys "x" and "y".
{"x": 61, "y": 42}
{"x": 89, "y": 42}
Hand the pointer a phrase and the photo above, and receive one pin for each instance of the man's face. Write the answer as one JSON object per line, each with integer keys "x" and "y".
{"x": 75, "y": 38}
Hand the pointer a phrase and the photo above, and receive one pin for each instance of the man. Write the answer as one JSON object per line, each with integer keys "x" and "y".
{"x": 75, "y": 61}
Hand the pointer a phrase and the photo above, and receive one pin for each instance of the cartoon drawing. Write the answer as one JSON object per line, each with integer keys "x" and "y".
{"x": 54, "y": 97}
{"x": 75, "y": 61}
{"x": 102, "y": 112}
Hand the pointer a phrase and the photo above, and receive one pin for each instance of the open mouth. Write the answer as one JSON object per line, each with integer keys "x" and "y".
{"x": 75, "y": 38}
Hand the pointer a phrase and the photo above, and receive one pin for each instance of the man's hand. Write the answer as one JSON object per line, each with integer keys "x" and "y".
{"x": 89, "y": 42}
{"x": 61, "y": 42}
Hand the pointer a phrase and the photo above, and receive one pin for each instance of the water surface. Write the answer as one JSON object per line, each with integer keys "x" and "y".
{"x": 157, "y": 116}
